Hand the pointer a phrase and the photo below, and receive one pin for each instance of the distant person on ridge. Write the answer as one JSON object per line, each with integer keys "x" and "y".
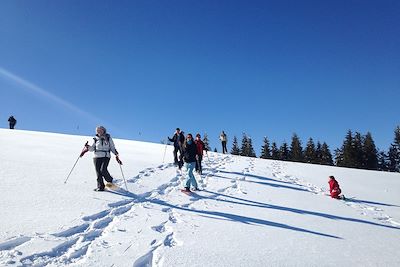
{"x": 102, "y": 146}
{"x": 200, "y": 148}
{"x": 223, "y": 139}
{"x": 12, "y": 122}
{"x": 190, "y": 155}
{"x": 334, "y": 188}
{"x": 178, "y": 139}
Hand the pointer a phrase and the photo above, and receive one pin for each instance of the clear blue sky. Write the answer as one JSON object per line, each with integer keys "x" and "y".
{"x": 143, "y": 68}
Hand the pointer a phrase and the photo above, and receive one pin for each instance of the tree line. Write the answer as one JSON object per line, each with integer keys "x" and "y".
{"x": 357, "y": 151}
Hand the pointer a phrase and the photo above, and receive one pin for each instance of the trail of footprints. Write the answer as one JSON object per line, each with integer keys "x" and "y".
{"x": 71, "y": 245}
{"x": 364, "y": 208}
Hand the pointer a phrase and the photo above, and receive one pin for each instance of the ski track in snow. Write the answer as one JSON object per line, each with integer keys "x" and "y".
{"x": 364, "y": 208}
{"x": 72, "y": 245}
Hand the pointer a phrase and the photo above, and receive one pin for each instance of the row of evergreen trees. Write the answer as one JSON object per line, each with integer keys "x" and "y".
{"x": 357, "y": 151}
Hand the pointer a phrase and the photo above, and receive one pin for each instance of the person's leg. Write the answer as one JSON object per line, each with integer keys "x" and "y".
{"x": 191, "y": 178}
{"x": 97, "y": 163}
{"x": 104, "y": 170}
{"x": 199, "y": 162}
{"x": 225, "y": 149}
{"x": 176, "y": 155}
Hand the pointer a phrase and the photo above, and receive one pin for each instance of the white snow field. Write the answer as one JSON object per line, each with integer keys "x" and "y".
{"x": 251, "y": 212}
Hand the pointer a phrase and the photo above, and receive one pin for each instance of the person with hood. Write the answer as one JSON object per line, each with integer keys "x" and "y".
{"x": 190, "y": 155}
{"x": 102, "y": 147}
{"x": 334, "y": 188}
{"x": 223, "y": 139}
{"x": 178, "y": 139}
{"x": 12, "y": 121}
{"x": 200, "y": 148}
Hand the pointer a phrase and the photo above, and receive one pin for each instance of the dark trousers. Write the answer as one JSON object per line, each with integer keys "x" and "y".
{"x": 101, "y": 165}
{"x": 224, "y": 150}
{"x": 12, "y": 125}
{"x": 178, "y": 161}
{"x": 199, "y": 169}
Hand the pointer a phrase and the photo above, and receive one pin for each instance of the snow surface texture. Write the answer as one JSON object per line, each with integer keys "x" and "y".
{"x": 251, "y": 212}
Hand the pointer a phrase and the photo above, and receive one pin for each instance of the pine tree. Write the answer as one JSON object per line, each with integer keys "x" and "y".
{"x": 235, "y": 147}
{"x": 339, "y": 156}
{"x": 250, "y": 148}
{"x": 265, "y": 150}
{"x": 296, "y": 151}
{"x": 392, "y": 158}
{"x": 215, "y": 149}
{"x": 245, "y": 144}
{"x": 284, "y": 152}
{"x": 318, "y": 153}
{"x": 382, "y": 161}
{"x": 247, "y": 149}
{"x": 358, "y": 151}
{"x": 326, "y": 156}
{"x": 274, "y": 151}
{"x": 310, "y": 154}
{"x": 396, "y": 150}
{"x": 370, "y": 153}
{"x": 206, "y": 142}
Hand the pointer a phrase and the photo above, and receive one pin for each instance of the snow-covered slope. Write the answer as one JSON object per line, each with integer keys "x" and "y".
{"x": 252, "y": 212}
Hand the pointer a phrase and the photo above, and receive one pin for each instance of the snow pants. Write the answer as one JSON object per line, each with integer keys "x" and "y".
{"x": 190, "y": 180}
{"x": 199, "y": 169}
{"x": 224, "y": 150}
{"x": 101, "y": 165}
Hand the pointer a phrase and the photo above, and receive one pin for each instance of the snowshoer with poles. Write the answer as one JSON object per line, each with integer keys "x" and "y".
{"x": 178, "y": 140}
{"x": 102, "y": 145}
{"x": 200, "y": 148}
{"x": 190, "y": 156}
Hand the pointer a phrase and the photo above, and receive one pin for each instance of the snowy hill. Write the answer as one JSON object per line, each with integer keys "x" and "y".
{"x": 252, "y": 212}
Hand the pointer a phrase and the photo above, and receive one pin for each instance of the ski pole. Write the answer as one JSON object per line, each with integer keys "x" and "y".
{"x": 80, "y": 155}
{"x": 123, "y": 176}
{"x": 165, "y": 151}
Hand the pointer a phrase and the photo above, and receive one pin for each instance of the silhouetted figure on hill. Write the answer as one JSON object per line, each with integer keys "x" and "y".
{"x": 12, "y": 122}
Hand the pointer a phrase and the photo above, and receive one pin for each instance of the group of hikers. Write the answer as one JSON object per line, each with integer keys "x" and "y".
{"x": 190, "y": 151}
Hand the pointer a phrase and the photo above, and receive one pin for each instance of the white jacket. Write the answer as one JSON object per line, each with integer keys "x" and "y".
{"x": 102, "y": 146}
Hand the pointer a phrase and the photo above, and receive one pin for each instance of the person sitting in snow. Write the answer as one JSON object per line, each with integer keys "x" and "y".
{"x": 334, "y": 188}
{"x": 102, "y": 146}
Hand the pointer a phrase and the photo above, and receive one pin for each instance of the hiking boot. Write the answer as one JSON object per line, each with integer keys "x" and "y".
{"x": 99, "y": 189}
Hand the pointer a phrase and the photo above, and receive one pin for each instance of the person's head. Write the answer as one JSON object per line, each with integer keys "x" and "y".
{"x": 189, "y": 138}
{"x": 100, "y": 130}
{"x": 198, "y": 136}
{"x": 178, "y": 130}
{"x": 331, "y": 177}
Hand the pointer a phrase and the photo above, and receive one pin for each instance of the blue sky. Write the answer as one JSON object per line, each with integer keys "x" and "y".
{"x": 143, "y": 68}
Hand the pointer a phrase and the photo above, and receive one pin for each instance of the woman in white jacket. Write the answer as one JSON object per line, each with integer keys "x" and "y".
{"x": 102, "y": 147}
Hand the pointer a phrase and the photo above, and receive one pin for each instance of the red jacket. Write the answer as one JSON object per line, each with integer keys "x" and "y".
{"x": 200, "y": 147}
{"x": 334, "y": 188}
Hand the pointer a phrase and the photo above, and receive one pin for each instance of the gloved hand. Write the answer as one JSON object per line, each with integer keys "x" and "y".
{"x": 86, "y": 149}
{"x": 118, "y": 160}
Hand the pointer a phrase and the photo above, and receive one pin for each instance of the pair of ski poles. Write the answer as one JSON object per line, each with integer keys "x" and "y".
{"x": 84, "y": 150}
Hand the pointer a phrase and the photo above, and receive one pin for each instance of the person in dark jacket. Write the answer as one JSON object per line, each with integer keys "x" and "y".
{"x": 102, "y": 147}
{"x": 334, "y": 188}
{"x": 200, "y": 148}
{"x": 12, "y": 121}
{"x": 178, "y": 139}
{"x": 190, "y": 156}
